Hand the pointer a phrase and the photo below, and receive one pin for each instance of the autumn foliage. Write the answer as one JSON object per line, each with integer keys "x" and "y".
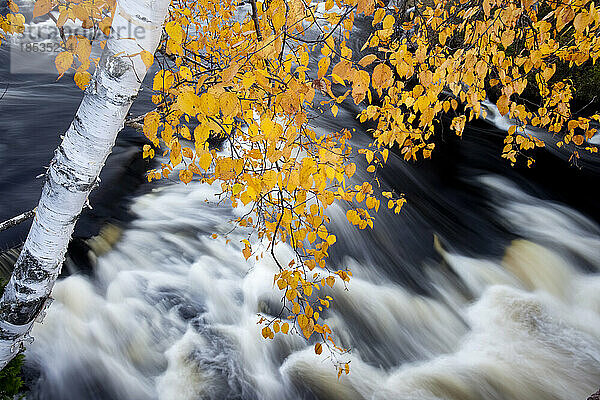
{"x": 237, "y": 87}
{"x": 12, "y": 23}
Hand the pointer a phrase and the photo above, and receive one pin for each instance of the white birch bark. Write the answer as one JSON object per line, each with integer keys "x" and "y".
{"x": 74, "y": 171}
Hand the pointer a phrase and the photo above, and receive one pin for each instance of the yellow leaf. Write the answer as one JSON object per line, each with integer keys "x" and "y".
{"x": 82, "y": 79}
{"x": 334, "y": 110}
{"x": 281, "y": 284}
{"x": 247, "y": 251}
{"x": 208, "y": 104}
{"x": 323, "y": 67}
{"x": 267, "y": 333}
{"x": 342, "y": 70}
{"x": 572, "y": 125}
{"x": 201, "y": 135}
{"x": 388, "y": 21}
{"x": 13, "y": 6}
{"x": 330, "y": 280}
{"x": 507, "y": 37}
{"x": 360, "y": 85}
{"x": 151, "y": 124}
{"x": 185, "y": 73}
{"x": 365, "y": 6}
{"x": 185, "y": 133}
{"x": 230, "y": 72}
{"x": 308, "y": 290}
{"x": 205, "y": 160}
{"x": 302, "y": 321}
{"x": 304, "y": 58}
{"x": 147, "y": 58}
{"x": 337, "y": 79}
{"x": 175, "y": 155}
{"x": 189, "y": 103}
{"x": 581, "y": 21}
{"x": 230, "y": 105}
{"x": 502, "y": 105}
{"x": 385, "y": 154}
{"x": 148, "y": 151}
{"x": 104, "y": 24}
{"x": 443, "y": 36}
{"x": 174, "y": 31}
{"x": 378, "y": 17}
{"x": 426, "y": 78}
{"x": 83, "y": 50}
{"x": 163, "y": 80}
{"x": 350, "y": 170}
{"x": 63, "y": 62}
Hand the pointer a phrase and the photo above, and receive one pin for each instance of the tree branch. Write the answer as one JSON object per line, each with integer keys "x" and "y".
{"x": 255, "y": 19}
{"x": 17, "y": 220}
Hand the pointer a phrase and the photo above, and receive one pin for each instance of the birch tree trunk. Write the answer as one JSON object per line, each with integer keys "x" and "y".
{"x": 74, "y": 171}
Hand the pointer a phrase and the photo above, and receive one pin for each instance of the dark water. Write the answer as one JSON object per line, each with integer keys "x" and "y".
{"x": 36, "y": 110}
{"x": 507, "y": 308}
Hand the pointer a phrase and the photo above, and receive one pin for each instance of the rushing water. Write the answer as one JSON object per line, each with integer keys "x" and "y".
{"x": 484, "y": 287}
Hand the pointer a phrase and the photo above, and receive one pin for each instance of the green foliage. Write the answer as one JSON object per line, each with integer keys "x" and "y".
{"x": 10, "y": 379}
{"x": 586, "y": 82}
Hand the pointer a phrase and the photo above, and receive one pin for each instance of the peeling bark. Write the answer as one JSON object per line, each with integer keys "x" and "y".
{"x": 74, "y": 171}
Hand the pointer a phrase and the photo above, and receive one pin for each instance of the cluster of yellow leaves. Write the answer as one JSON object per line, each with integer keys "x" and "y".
{"x": 12, "y": 23}
{"x": 250, "y": 83}
{"x": 95, "y": 17}
{"x": 454, "y": 54}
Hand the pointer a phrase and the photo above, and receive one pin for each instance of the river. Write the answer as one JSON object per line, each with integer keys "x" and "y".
{"x": 504, "y": 303}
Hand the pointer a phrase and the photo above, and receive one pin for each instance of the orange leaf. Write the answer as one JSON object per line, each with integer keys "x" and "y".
{"x": 382, "y": 77}
{"x": 318, "y": 348}
{"x": 42, "y": 7}
{"x": 367, "y": 60}
{"x": 13, "y": 6}
{"x": 185, "y": 176}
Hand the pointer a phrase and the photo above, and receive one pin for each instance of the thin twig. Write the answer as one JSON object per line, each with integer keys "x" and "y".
{"x": 5, "y": 90}
{"x": 136, "y": 123}
{"x": 16, "y": 220}
{"x": 255, "y": 19}
{"x": 61, "y": 29}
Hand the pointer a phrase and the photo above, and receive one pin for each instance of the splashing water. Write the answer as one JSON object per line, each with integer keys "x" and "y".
{"x": 171, "y": 314}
